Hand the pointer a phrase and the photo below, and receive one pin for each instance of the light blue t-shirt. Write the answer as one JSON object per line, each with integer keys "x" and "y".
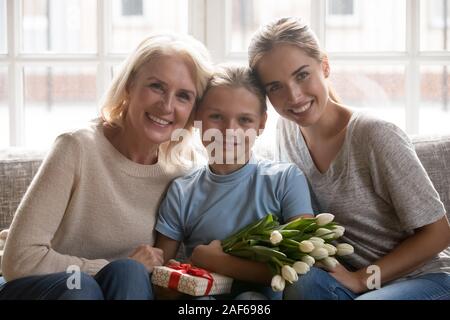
{"x": 204, "y": 206}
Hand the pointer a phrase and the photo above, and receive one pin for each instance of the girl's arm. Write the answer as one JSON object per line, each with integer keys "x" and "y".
{"x": 427, "y": 241}
{"x": 167, "y": 245}
{"x": 170, "y": 249}
{"x": 212, "y": 258}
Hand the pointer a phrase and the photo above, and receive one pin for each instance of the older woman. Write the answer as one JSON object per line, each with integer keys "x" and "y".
{"x": 362, "y": 169}
{"x": 91, "y": 208}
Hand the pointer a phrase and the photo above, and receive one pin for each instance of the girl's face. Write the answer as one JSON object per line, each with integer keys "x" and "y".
{"x": 295, "y": 83}
{"x": 231, "y": 119}
{"x": 161, "y": 98}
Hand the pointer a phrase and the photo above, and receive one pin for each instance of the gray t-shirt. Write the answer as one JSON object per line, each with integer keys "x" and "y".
{"x": 376, "y": 187}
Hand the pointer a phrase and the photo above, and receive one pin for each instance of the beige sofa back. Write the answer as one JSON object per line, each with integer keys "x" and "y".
{"x": 17, "y": 168}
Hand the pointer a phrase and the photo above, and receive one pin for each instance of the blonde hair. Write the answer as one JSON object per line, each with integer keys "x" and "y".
{"x": 235, "y": 76}
{"x": 114, "y": 103}
{"x": 291, "y": 31}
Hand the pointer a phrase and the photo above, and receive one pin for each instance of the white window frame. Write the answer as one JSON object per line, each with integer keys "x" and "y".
{"x": 337, "y": 20}
{"x": 103, "y": 59}
{"x": 433, "y": 11}
{"x": 412, "y": 58}
{"x": 208, "y": 23}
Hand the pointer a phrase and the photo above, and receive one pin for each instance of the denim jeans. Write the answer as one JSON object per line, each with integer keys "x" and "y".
{"x": 119, "y": 280}
{"x": 318, "y": 284}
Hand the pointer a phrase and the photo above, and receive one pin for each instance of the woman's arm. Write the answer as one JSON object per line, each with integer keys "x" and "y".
{"x": 405, "y": 258}
{"x": 409, "y": 255}
{"x": 28, "y": 249}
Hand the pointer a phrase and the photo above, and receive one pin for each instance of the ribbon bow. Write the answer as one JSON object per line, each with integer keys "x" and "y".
{"x": 186, "y": 268}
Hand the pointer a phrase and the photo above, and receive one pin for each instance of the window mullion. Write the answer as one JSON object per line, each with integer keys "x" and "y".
{"x": 15, "y": 75}
{"x": 318, "y": 12}
{"x": 216, "y": 39}
{"x": 413, "y": 68}
{"x": 103, "y": 42}
{"x": 197, "y": 19}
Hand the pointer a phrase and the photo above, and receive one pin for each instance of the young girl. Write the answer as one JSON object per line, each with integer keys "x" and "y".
{"x": 234, "y": 190}
{"x": 363, "y": 170}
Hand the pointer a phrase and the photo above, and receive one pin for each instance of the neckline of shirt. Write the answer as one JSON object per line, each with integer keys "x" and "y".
{"x": 123, "y": 163}
{"x": 319, "y": 177}
{"x": 235, "y": 176}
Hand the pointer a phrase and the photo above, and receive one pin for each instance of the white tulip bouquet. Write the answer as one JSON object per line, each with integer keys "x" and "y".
{"x": 289, "y": 249}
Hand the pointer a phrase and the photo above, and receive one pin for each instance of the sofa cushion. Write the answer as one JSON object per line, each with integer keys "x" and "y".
{"x": 17, "y": 169}
{"x": 434, "y": 153}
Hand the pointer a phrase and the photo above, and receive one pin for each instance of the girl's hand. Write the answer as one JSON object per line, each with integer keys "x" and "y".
{"x": 355, "y": 281}
{"x": 148, "y": 256}
{"x": 204, "y": 256}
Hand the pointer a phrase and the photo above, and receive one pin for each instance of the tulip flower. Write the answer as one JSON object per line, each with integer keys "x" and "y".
{"x": 324, "y": 233}
{"x": 344, "y": 249}
{"x": 278, "y": 283}
{"x": 330, "y": 248}
{"x": 317, "y": 242}
{"x": 276, "y": 237}
{"x": 338, "y": 231}
{"x": 289, "y": 274}
{"x": 289, "y": 249}
{"x": 308, "y": 260}
{"x": 301, "y": 267}
{"x": 306, "y": 246}
{"x": 324, "y": 218}
{"x": 319, "y": 253}
{"x": 330, "y": 262}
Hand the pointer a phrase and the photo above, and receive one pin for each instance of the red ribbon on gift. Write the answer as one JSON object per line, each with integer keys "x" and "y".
{"x": 186, "y": 268}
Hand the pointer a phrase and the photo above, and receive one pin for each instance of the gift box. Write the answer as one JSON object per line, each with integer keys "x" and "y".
{"x": 191, "y": 280}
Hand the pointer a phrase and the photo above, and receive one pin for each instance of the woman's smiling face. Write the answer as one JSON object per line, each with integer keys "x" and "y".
{"x": 295, "y": 83}
{"x": 161, "y": 98}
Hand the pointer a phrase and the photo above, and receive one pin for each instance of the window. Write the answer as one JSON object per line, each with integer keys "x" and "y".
{"x": 2, "y": 26}
{"x": 435, "y": 25}
{"x": 60, "y": 59}
{"x": 341, "y": 8}
{"x": 380, "y": 62}
{"x": 132, "y": 20}
{"x": 342, "y": 13}
{"x": 57, "y": 57}
{"x": 132, "y": 8}
{"x": 59, "y": 26}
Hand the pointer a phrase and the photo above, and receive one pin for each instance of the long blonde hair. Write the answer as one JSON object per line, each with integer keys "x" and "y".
{"x": 114, "y": 102}
{"x": 288, "y": 30}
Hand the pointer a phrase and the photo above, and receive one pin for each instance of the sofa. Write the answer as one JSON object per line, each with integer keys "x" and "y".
{"x": 18, "y": 166}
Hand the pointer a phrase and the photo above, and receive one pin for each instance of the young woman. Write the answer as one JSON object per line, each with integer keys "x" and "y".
{"x": 363, "y": 170}
{"x": 95, "y": 198}
{"x": 234, "y": 190}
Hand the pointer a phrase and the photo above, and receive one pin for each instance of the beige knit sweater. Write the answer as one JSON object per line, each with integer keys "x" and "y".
{"x": 87, "y": 205}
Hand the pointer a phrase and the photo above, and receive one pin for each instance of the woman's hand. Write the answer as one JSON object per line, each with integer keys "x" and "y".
{"x": 355, "y": 281}
{"x": 204, "y": 256}
{"x": 149, "y": 256}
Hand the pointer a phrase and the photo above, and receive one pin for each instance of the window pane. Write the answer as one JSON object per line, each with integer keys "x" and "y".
{"x": 133, "y": 20}
{"x": 247, "y": 15}
{"x": 4, "y": 113}
{"x": 59, "y": 26}
{"x": 2, "y": 26}
{"x": 351, "y": 25}
{"x": 377, "y": 90}
{"x": 57, "y": 99}
{"x": 435, "y": 25}
{"x": 435, "y": 100}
